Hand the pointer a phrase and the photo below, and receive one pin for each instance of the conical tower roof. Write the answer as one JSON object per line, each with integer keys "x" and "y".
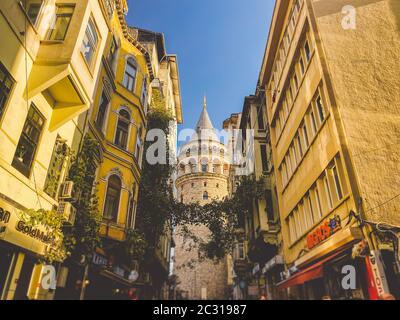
{"x": 204, "y": 120}
{"x": 204, "y": 128}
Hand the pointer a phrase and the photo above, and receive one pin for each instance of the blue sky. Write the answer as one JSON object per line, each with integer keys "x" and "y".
{"x": 219, "y": 43}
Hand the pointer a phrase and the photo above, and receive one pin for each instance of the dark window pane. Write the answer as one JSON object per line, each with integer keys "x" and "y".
{"x": 104, "y": 101}
{"x": 28, "y": 141}
{"x": 6, "y": 83}
{"x": 112, "y": 198}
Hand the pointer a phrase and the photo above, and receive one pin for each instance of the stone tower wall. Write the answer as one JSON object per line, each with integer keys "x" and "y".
{"x": 206, "y": 274}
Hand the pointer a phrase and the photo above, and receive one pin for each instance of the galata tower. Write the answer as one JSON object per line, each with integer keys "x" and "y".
{"x": 202, "y": 176}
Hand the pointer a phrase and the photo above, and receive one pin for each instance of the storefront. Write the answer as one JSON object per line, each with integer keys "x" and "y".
{"x": 319, "y": 273}
{"x": 107, "y": 281}
{"x": 272, "y": 273}
{"x": 22, "y": 277}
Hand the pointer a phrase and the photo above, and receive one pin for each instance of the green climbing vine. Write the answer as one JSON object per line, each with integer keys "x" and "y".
{"x": 82, "y": 238}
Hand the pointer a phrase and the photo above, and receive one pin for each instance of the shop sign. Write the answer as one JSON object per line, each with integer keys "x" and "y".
{"x": 376, "y": 274}
{"x": 99, "y": 260}
{"x": 272, "y": 263}
{"x": 323, "y": 232}
{"x": 15, "y": 231}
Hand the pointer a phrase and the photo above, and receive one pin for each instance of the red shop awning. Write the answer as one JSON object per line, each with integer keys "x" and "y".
{"x": 315, "y": 271}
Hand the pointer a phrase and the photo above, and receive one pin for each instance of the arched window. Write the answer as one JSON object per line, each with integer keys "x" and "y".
{"x": 205, "y": 195}
{"x": 130, "y": 74}
{"x": 121, "y": 136}
{"x": 112, "y": 198}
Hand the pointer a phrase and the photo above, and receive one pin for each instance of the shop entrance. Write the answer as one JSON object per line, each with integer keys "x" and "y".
{"x": 5, "y": 263}
{"x": 21, "y": 292}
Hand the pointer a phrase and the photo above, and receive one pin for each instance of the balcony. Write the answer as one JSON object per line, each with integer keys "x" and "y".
{"x": 60, "y": 87}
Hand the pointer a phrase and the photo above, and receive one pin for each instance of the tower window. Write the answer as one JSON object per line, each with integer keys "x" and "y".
{"x": 205, "y": 195}
{"x": 205, "y": 184}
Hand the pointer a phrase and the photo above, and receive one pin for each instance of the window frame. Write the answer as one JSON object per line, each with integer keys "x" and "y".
{"x": 51, "y": 31}
{"x": 16, "y": 163}
{"x": 3, "y": 87}
{"x": 118, "y": 198}
{"x": 126, "y": 121}
{"x": 92, "y": 41}
{"x": 127, "y": 76}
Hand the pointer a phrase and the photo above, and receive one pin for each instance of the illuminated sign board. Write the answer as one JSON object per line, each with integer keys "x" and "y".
{"x": 323, "y": 232}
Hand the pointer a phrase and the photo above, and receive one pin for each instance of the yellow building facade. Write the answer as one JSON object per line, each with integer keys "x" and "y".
{"x": 118, "y": 122}
{"x": 331, "y": 129}
{"x": 48, "y": 71}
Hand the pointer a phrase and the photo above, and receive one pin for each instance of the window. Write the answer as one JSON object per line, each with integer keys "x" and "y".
{"x": 121, "y": 136}
{"x": 302, "y": 67}
{"x": 58, "y": 29}
{"x": 28, "y": 142}
{"x": 205, "y": 184}
{"x": 261, "y": 124}
{"x": 307, "y": 51}
{"x": 293, "y": 155}
{"x": 101, "y": 114}
{"x": 89, "y": 43}
{"x": 143, "y": 96}
{"x": 130, "y": 74}
{"x": 204, "y": 168}
{"x": 112, "y": 198}
{"x": 305, "y": 135}
{"x": 32, "y": 9}
{"x": 299, "y": 146}
{"x": 310, "y": 209}
{"x": 318, "y": 201}
{"x": 138, "y": 148}
{"x": 112, "y": 54}
{"x": 320, "y": 107}
{"x": 132, "y": 209}
{"x": 295, "y": 82}
{"x": 312, "y": 121}
{"x": 217, "y": 185}
{"x": 6, "y": 83}
{"x": 328, "y": 192}
{"x": 205, "y": 195}
{"x": 338, "y": 186}
{"x": 264, "y": 161}
{"x": 56, "y": 167}
{"x": 239, "y": 251}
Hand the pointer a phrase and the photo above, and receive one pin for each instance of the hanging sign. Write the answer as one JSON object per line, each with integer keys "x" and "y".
{"x": 377, "y": 283}
{"x": 323, "y": 232}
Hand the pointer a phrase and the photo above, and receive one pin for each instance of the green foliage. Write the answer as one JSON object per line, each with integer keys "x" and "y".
{"x": 220, "y": 217}
{"x": 155, "y": 192}
{"x": 84, "y": 235}
{"x": 52, "y": 223}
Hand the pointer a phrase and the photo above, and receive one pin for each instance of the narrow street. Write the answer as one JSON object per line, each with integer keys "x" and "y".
{"x": 194, "y": 151}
